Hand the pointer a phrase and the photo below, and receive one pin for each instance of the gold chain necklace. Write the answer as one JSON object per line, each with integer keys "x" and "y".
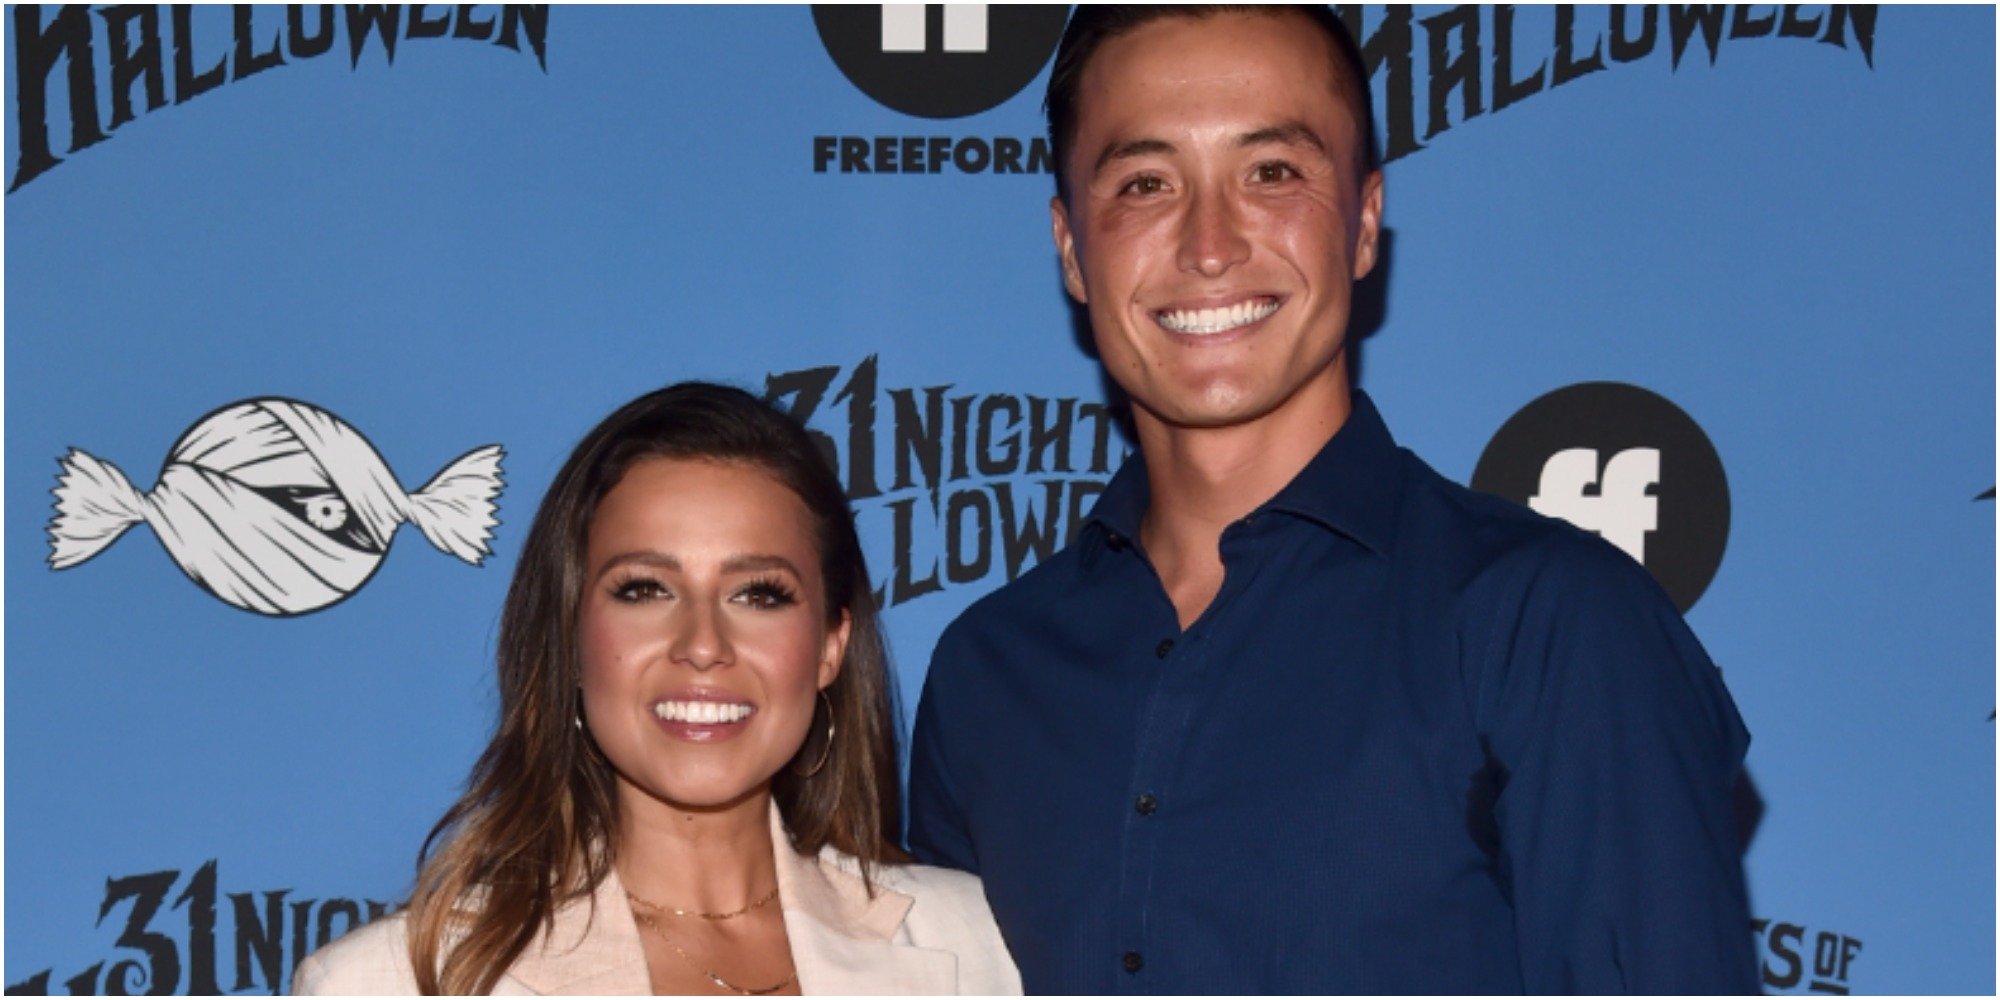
{"x": 748, "y": 991}
{"x": 678, "y": 912}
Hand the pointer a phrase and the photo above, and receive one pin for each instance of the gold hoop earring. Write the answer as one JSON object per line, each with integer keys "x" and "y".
{"x": 827, "y": 750}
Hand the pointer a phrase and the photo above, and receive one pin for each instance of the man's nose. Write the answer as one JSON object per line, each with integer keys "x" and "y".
{"x": 701, "y": 637}
{"x": 1212, "y": 238}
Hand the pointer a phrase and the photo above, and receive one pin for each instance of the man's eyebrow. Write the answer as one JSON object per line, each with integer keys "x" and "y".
{"x": 1131, "y": 148}
{"x": 1284, "y": 134}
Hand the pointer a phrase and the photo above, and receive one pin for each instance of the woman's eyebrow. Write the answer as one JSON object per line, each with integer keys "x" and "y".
{"x": 758, "y": 561}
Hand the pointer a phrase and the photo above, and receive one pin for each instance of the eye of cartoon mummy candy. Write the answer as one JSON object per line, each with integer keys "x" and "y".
{"x": 326, "y": 512}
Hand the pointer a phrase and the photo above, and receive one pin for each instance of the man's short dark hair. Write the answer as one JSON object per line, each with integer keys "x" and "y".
{"x": 1091, "y": 25}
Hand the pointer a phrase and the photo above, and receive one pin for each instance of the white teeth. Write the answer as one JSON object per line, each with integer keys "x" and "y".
{"x": 1206, "y": 321}
{"x": 701, "y": 713}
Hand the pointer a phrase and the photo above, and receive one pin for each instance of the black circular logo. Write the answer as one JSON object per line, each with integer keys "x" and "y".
{"x": 1623, "y": 462}
{"x": 940, "y": 60}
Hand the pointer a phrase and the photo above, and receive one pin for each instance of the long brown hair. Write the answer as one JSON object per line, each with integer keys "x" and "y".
{"x": 537, "y": 825}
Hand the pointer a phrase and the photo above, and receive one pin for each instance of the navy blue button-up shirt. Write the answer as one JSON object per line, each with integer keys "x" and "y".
{"x": 1422, "y": 740}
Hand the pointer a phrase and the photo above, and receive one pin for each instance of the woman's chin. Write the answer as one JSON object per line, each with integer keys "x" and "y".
{"x": 696, "y": 794}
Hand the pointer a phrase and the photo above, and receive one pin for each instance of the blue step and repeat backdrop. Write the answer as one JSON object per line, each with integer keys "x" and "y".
{"x": 282, "y": 283}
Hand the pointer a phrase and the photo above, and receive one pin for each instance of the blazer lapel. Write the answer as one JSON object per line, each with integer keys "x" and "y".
{"x": 831, "y": 964}
{"x": 843, "y": 941}
{"x": 595, "y": 949}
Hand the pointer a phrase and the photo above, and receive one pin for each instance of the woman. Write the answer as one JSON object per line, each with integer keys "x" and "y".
{"x": 693, "y": 785}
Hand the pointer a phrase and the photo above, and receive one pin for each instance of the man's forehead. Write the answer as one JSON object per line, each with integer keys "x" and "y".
{"x": 1258, "y": 38}
{"x": 1185, "y": 68}
{"x": 1114, "y": 127}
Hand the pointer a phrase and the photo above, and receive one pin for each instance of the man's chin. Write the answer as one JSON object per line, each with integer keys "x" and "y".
{"x": 1214, "y": 409}
{"x": 1226, "y": 404}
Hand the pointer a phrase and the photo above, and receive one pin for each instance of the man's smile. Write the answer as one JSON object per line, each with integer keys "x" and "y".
{"x": 1218, "y": 319}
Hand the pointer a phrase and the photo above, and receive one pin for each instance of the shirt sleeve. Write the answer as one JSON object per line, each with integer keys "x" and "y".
{"x": 938, "y": 831}
{"x": 1614, "y": 749}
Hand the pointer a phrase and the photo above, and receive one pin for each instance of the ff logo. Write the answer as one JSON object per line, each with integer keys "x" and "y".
{"x": 1625, "y": 463}
{"x": 1622, "y": 509}
{"x": 940, "y": 60}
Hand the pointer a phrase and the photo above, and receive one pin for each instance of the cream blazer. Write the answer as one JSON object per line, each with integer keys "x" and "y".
{"x": 927, "y": 930}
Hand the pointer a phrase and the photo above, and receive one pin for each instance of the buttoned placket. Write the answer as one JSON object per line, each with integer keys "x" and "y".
{"x": 1179, "y": 675}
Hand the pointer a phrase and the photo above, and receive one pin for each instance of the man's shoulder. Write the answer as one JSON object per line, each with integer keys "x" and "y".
{"x": 1493, "y": 542}
{"x": 373, "y": 959}
{"x": 1042, "y": 593}
{"x": 1540, "y": 604}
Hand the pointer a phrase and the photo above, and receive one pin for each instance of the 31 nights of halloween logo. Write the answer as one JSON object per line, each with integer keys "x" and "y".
{"x": 965, "y": 484}
{"x": 268, "y": 933}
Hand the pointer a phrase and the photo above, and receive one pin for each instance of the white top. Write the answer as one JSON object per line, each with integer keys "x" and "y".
{"x": 926, "y": 931}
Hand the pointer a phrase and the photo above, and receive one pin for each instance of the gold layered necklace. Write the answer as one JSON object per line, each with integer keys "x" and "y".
{"x": 642, "y": 909}
{"x": 678, "y": 912}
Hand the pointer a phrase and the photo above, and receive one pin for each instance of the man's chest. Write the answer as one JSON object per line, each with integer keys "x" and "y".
{"x": 1318, "y": 691}
{"x": 1300, "y": 765}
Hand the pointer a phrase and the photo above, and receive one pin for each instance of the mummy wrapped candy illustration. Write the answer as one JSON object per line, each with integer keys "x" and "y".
{"x": 274, "y": 506}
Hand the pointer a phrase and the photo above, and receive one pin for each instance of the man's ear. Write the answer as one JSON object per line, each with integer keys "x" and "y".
{"x": 1066, "y": 247}
{"x": 1369, "y": 229}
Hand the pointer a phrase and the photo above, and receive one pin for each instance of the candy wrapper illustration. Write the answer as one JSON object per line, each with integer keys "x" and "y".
{"x": 274, "y": 506}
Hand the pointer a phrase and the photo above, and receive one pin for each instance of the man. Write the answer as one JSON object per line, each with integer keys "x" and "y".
{"x": 1294, "y": 714}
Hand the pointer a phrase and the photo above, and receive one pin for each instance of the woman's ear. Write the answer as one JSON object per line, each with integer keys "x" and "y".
{"x": 833, "y": 649}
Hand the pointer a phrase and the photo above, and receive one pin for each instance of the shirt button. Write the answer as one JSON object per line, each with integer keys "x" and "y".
{"x": 1132, "y": 961}
{"x": 1166, "y": 646}
{"x": 1114, "y": 541}
{"x": 1146, "y": 805}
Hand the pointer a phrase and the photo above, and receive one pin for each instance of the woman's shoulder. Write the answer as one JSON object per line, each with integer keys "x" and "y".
{"x": 373, "y": 959}
{"x": 915, "y": 879}
{"x": 946, "y": 888}
{"x": 948, "y": 911}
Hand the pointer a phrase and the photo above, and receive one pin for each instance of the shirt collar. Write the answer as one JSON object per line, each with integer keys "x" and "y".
{"x": 1353, "y": 486}
{"x": 1122, "y": 505}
